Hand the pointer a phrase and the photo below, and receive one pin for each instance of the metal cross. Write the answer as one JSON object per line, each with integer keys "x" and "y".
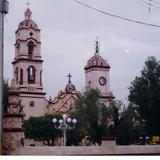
{"x": 96, "y": 46}
{"x": 28, "y": 4}
{"x": 69, "y": 76}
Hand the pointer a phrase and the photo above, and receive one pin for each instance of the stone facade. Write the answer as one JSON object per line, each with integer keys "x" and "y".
{"x": 13, "y": 133}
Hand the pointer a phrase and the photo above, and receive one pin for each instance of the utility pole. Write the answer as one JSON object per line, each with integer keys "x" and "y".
{"x": 3, "y": 11}
{"x": 150, "y": 5}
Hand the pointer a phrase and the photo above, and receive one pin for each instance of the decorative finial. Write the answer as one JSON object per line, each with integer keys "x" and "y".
{"x": 28, "y": 4}
{"x": 28, "y": 12}
{"x": 96, "y": 47}
{"x": 69, "y": 78}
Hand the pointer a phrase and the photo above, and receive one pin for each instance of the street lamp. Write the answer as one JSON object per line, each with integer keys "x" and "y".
{"x": 64, "y": 124}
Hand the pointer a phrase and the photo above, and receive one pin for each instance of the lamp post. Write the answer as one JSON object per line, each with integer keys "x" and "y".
{"x": 64, "y": 124}
{"x": 3, "y": 10}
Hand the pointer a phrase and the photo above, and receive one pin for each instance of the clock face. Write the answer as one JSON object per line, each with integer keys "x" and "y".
{"x": 70, "y": 88}
{"x": 102, "y": 81}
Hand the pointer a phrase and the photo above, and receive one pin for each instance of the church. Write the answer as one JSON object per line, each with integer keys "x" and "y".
{"x": 28, "y": 74}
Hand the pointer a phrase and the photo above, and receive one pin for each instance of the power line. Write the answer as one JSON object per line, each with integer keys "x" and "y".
{"x": 116, "y": 16}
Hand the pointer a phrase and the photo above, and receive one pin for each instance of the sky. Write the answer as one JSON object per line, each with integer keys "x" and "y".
{"x": 68, "y": 33}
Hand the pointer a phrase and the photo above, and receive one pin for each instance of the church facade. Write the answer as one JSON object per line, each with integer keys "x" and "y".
{"x": 28, "y": 74}
{"x": 27, "y": 67}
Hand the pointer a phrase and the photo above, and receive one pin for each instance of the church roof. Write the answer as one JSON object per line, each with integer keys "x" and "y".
{"x": 65, "y": 101}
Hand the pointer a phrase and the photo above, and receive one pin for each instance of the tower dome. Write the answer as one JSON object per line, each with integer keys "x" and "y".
{"x": 28, "y": 22}
{"x": 96, "y": 61}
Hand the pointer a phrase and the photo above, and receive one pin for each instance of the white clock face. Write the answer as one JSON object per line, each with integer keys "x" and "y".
{"x": 102, "y": 81}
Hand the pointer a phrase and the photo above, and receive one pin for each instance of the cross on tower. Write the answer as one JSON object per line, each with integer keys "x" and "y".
{"x": 96, "y": 46}
{"x": 69, "y": 78}
{"x": 28, "y": 4}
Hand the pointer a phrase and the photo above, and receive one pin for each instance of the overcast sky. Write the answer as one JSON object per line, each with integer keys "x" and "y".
{"x": 68, "y": 32}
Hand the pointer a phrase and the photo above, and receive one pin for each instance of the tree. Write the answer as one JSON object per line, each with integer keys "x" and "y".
{"x": 86, "y": 112}
{"x": 122, "y": 124}
{"x": 96, "y": 120}
{"x": 145, "y": 95}
{"x": 93, "y": 118}
{"x": 129, "y": 128}
{"x": 42, "y": 129}
{"x": 110, "y": 117}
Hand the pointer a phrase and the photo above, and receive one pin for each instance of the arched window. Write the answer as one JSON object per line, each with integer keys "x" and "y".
{"x": 31, "y": 75}
{"x": 16, "y": 75}
{"x": 41, "y": 78}
{"x": 30, "y": 49}
{"x": 21, "y": 76}
{"x": 102, "y": 63}
{"x": 31, "y": 104}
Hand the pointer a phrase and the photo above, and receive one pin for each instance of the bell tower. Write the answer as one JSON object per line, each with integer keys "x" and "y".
{"x": 27, "y": 66}
{"x": 97, "y": 75}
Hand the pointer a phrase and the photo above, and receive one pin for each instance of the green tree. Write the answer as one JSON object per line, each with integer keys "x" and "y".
{"x": 96, "y": 120}
{"x": 129, "y": 128}
{"x": 145, "y": 95}
{"x": 93, "y": 117}
{"x": 42, "y": 129}
{"x": 87, "y": 112}
{"x": 110, "y": 117}
{"x": 122, "y": 124}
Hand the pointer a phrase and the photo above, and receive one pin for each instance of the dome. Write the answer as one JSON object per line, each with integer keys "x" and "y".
{"x": 96, "y": 61}
{"x": 28, "y": 22}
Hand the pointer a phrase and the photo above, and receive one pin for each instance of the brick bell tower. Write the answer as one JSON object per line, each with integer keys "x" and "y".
{"x": 27, "y": 67}
{"x": 97, "y": 75}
